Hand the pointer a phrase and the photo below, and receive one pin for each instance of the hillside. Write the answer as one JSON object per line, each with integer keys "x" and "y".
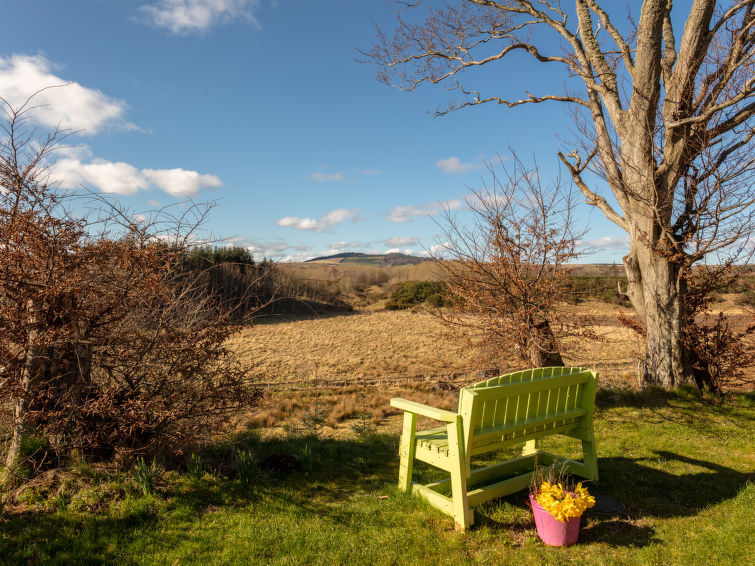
{"x": 375, "y": 260}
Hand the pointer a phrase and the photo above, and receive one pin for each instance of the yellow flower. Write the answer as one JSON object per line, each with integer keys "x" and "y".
{"x": 564, "y": 505}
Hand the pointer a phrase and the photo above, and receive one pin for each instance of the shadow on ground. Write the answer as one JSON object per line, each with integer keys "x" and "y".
{"x": 321, "y": 476}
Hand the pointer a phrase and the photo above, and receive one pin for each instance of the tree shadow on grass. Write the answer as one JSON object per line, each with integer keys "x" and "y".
{"x": 304, "y": 311}
{"x": 55, "y": 538}
{"x": 652, "y": 491}
{"x": 617, "y": 532}
{"x": 656, "y": 397}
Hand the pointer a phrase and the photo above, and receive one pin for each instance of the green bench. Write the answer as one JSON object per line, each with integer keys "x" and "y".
{"x": 517, "y": 408}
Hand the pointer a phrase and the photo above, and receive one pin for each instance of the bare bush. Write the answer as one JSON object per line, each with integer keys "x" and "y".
{"x": 105, "y": 346}
{"x": 508, "y": 269}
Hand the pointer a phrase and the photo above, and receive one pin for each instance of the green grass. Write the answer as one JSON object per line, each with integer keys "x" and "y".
{"x": 373, "y": 260}
{"x": 683, "y": 465}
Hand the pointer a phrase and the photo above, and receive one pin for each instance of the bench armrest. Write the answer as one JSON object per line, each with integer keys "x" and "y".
{"x": 424, "y": 410}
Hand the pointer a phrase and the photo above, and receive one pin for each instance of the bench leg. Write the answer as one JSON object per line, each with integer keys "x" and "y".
{"x": 463, "y": 515}
{"x": 530, "y": 447}
{"x": 590, "y": 458}
{"x": 406, "y": 451}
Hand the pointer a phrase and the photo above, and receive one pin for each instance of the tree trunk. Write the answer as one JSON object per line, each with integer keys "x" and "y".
{"x": 37, "y": 357}
{"x": 542, "y": 347}
{"x": 657, "y": 290}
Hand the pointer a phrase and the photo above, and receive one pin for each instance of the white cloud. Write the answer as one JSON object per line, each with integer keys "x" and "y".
{"x": 107, "y": 176}
{"x": 407, "y": 213}
{"x": 155, "y": 203}
{"x": 400, "y": 241}
{"x": 180, "y": 181}
{"x": 68, "y": 104}
{"x": 326, "y": 221}
{"x": 437, "y": 250}
{"x": 260, "y": 250}
{"x": 453, "y": 165}
{"x": 370, "y": 172}
{"x": 606, "y": 243}
{"x": 183, "y": 17}
{"x": 398, "y": 251}
{"x": 343, "y": 245}
{"x": 319, "y": 177}
{"x": 78, "y": 167}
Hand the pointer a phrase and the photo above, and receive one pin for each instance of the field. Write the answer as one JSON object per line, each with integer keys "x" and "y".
{"x": 324, "y": 445}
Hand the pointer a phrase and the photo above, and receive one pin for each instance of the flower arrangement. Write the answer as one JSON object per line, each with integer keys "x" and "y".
{"x": 564, "y": 504}
{"x": 557, "y": 504}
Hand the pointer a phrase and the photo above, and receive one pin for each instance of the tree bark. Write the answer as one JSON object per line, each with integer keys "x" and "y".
{"x": 37, "y": 357}
{"x": 542, "y": 347}
{"x": 658, "y": 290}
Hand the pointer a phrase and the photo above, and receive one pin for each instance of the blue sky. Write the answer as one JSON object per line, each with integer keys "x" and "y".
{"x": 260, "y": 106}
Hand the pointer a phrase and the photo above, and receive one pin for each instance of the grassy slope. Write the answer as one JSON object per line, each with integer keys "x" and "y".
{"x": 683, "y": 466}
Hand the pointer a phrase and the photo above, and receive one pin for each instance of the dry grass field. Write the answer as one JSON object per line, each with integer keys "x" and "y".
{"x": 350, "y": 364}
{"x": 339, "y": 367}
{"x": 368, "y": 346}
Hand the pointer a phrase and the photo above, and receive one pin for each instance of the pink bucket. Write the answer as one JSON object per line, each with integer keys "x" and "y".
{"x": 551, "y": 531}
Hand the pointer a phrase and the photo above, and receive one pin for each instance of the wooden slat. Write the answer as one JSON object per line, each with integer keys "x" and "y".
{"x": 434, "y": 457}
{"x": 491, "y": 473}
{"x": 482, "y": 448}
{"x": 435, "y": 499}
{"x": 499, "y": 489}
{"x": 483, "y": 435}
{"x": 499, "y": 392}
{"x": 424, "y": 410}
{"x": 406, "y": 451}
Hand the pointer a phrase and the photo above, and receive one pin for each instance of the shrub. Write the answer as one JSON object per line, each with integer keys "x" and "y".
{"x": 412, "y": 293}
{"x": 747, "y": 298}
{"x": 206, "y": 256}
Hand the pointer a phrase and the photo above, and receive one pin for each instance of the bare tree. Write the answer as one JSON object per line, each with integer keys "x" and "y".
{"x": 666, "y": 118}
{"x": 106, "y": 345}
{"x": 506, "y": 272}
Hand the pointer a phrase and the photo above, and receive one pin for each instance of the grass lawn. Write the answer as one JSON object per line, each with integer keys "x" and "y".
{"x": 683, "y": 465}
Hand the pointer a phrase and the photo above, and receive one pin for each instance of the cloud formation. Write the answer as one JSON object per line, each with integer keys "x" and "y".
{"x": 408, "y": 213}
{"x": 184, "y": 17}
{"x": 69, "y": 105}
{"x": 606, "y": 243}
{"x": 453, "y": 165}
{"x": 180, "y": 182}
{"x": 319, "y": 177}
{"x": 61, "y": 102}
{"x": 400, "y": 241}
{"x": 273, "y": 250}
{"x": 79, "y": 168}
{"x": 325, "y": 222}
{"x": 437, "y": 250}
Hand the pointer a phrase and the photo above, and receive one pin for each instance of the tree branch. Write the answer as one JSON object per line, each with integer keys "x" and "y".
{"x": 591, "y": 197}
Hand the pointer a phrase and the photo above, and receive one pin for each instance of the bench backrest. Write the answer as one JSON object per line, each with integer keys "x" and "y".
{"x": 516, "y": 407}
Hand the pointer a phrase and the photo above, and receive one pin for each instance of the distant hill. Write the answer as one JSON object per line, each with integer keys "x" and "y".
{"x": 375, "y": 260}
